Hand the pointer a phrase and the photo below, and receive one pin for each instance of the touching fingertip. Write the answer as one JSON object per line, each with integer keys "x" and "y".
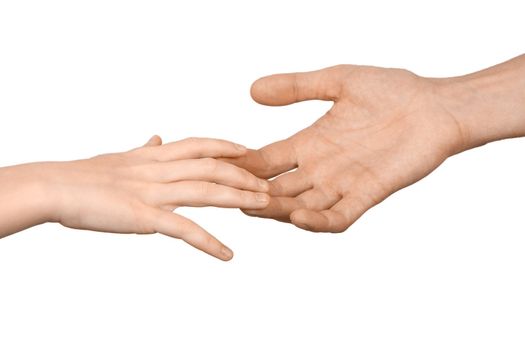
{"x": 263, "y": 185}
{"x": 262, "y": 197}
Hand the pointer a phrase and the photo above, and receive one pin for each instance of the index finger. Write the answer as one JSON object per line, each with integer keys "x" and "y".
{"x": 195, "y": 147}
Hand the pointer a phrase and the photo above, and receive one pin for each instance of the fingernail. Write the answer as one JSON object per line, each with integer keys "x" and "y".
{"x": 264, "y": 184}
{"x": 226, "y": 252}
{"x": 262, "y": 197}
{"x": 240, "y": 147}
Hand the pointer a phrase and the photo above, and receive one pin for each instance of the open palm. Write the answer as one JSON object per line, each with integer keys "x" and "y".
{"x": 386, "y": 130}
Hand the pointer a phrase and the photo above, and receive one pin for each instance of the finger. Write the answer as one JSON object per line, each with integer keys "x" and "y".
{"x": 155, "y": 140}
{"x": 194, "y": 147}
{"x": 279, "y": 209}
{"x": 318, "y": 199}
{"x": 202, "y": 194}
{"x": 290, "y": 184}
{"x": 173, "y": 225}
{"x": 204, "y": 169}
{"x": 269, "y": 161}
{"x": 283, "y": 89}
{"x": 336, "y": 219}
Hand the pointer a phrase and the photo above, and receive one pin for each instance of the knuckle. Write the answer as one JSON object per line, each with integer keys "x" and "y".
{"x": 145, "y": 172}
{"x": 184, "y": 232}
{"x": 147, "y": 193}
{"x": 191, "y": 139}
{"x": 210, "y": 165}
{"x": 184, "y": 228}
{"x": 206, "y": 241}
{"x": 205, "y": 188}
{"x": 338, "y": 68}
{"x": 246, "y": 176}
{"x": 145, "y": 223}
{"x": 245, "y": 196}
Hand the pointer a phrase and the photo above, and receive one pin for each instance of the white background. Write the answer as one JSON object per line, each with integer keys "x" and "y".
{"x": 439, "y": 265}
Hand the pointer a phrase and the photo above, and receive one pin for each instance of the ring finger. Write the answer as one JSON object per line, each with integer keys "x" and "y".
{"x": 202, "y": 194}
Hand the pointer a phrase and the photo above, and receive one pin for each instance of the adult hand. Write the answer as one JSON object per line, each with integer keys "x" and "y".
{"x": 387, "y": 129}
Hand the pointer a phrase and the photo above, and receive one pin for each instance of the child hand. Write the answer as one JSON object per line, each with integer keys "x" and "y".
{"x": 136, "y": 191}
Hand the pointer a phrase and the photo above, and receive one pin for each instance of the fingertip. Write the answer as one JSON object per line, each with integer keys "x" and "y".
{"x": 255, "y": 90}
{"x": 217, "y": 249}
{"x": 287, "y": 88}
{"x": 270, "y": 90}
{"x": 264, "y": 185}
{"x": 253, "y": 201}
{"x": 178, "y": 226}
{"x": 263, "y": 199}
{"x": 226, "y": 254}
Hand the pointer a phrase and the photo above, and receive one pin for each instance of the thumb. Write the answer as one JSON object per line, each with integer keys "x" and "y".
{"x": 284, "y": 89}
{"x": 155, "y": 140}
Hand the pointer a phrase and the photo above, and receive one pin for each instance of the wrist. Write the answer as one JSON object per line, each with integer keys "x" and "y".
{"x": 48, "y": 176}
{"x": 25, "y": 198}
{"x": 37, "y": 181}
{"x": 488, "y": 105}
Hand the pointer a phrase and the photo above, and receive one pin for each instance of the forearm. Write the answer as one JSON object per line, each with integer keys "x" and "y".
{"x": 23, "y": 198}
{"x": 488, "y": 105}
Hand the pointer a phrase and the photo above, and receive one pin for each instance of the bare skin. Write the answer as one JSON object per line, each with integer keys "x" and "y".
{"x": 387, "y": 129}
{"x": 132, "y": 192}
